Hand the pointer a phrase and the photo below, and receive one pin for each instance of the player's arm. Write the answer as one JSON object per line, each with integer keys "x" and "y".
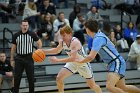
{"x": 90, "y": 57}
{"x": 39, "y": 44}
{"x": 97, "y": 44}
{"x": 56, "y": 50}
{"x": 72, "y": 58}
{"x": 75, "y": 47}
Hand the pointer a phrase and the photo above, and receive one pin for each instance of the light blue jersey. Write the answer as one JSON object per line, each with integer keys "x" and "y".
{"x": 108, "y": 53}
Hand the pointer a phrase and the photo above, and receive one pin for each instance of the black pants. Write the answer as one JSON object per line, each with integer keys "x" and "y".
{"x": 24, "y": 63}
{"x": 129, "y": 41}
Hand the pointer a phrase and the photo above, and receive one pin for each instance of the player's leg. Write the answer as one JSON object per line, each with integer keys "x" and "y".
{"x": 112, "y": 79}
{"x": 86, "y": 71}
{"x": 64, "y": 73}
{"x": 93, "y": 86}
{"x": 127, "y": 88}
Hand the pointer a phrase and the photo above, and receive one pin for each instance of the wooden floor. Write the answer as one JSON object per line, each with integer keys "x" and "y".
{"x": 82, "y": 91}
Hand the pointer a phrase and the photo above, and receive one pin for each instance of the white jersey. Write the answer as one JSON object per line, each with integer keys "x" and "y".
{"x": 80, "y": 54}
{"x": 84, "y": 69}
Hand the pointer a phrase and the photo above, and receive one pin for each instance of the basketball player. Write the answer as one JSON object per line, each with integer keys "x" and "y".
{"x": 116, "y": 64}
{"x": 75, "y": 51}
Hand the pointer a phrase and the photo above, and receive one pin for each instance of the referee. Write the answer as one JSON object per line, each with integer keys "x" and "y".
{"x": 22, "y": 45}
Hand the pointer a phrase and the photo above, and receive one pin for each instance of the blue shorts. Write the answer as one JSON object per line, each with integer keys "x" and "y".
{"x": 118, "y": 66}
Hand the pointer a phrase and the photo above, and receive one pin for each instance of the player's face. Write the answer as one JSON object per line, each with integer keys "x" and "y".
{"x": 24, "y": 27}
{"x": 66, "y": 37}
{"x": 2, "y": 57}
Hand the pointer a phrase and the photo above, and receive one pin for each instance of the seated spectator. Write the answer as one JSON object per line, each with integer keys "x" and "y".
{"x": 78, "y": 28}
{"x": 5, "y": 12}
{"x": 46, "y": 28}
{"x": 134, "y": 54}
{"x": 120, "y": 41}
{"x": 20, "y": 8}
{"x": 46, "y": 8}
{"x": 30, "y": 14}
{"x": 73, "y": 14}
{"x": 12, "y": 5}
{"x": 130, "y": 33}
{"x": 93, "y": 14}
{"x": 6, "y": 72}
{"x": 59, "y": 23}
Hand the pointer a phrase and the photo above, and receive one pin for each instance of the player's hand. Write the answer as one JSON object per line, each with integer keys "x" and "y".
{"x": 12, "y": 63}
{"x": 53, "y": 59}
{"x": 10, "y": 74}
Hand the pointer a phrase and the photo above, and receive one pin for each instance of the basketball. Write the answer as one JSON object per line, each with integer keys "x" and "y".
{"x": 38, "y": 55}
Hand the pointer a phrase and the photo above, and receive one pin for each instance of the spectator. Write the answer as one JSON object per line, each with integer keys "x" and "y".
{"x": 12, "y": 5}
{"x": 5, "y": 12}
{"x": 57, "y": 24}
{"x": 130, "y": 33}
{"x": 93, "y": 14}
{"x": 78, "y": 28}
{"x": 30, "y": 14}
{"x": 20, "y": 8}
{"x": 6, "y": 71}
{"x": 134, "y": 54}
{"x": 47, "y": 8}
{"x": 120, "y": 41}
{"x": 73, "y": 14}
{"x": 46, "y": 28}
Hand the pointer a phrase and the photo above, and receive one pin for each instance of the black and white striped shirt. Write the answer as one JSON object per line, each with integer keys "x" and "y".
{"x": 24, "y": 42}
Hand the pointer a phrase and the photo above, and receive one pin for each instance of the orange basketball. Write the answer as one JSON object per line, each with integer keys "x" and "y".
{"x": 38, "y": 55}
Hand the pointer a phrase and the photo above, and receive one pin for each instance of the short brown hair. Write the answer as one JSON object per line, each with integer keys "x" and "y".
{"x": 92, "y": 25}
{"x": 66, "y": 29}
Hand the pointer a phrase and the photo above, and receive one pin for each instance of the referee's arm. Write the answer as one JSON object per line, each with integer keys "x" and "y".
{"x": 13, "y": 50}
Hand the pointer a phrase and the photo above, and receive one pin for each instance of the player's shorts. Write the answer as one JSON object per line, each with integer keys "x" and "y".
{"x": 118, "y": 66}
{"x": 84, "y": 69}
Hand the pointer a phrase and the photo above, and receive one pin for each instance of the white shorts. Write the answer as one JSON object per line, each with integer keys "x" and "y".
{"x": 84, "y": 69}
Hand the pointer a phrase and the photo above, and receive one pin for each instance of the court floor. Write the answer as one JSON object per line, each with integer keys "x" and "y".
{"x": 78, "y": 91}
{"x": 82, "y": 91}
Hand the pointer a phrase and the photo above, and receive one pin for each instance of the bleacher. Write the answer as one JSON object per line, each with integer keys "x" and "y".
{"x": 45, "y": 72}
